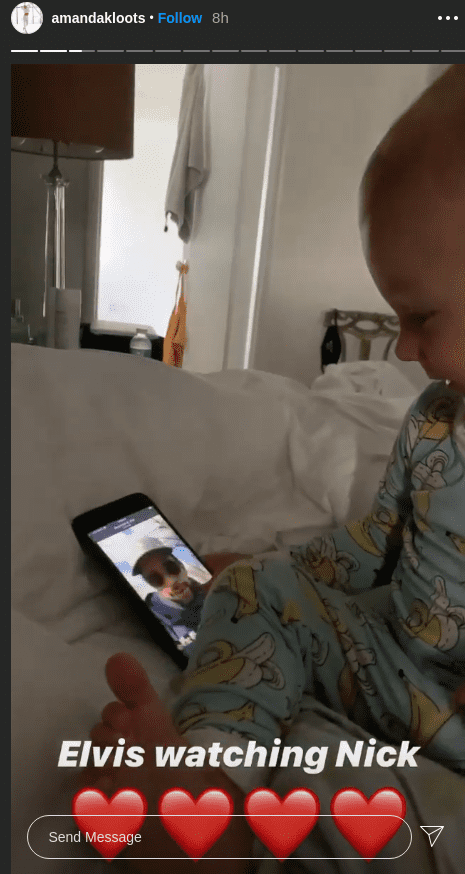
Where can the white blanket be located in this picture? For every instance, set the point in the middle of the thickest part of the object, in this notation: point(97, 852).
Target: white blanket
point(238, 461)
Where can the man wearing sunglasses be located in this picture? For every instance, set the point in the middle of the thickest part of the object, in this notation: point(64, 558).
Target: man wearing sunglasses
point(178, 599)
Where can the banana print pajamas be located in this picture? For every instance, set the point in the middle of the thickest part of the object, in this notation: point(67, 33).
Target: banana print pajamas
point(321, 622)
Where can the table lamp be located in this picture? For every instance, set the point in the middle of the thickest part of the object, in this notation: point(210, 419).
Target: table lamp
point(70, 111)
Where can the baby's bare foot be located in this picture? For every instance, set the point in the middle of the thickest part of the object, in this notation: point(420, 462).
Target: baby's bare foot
point(141, 719)
point(139, 715)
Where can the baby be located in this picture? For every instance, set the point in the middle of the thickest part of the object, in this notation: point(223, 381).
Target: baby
point(310, 622)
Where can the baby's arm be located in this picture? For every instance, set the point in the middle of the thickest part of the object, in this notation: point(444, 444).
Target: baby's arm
point(357, 555)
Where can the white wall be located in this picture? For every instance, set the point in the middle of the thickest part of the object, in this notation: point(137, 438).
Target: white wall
point(211, 249)
point(335, 116)
point(221, 251)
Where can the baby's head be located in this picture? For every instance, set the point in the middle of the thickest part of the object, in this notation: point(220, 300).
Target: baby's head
point(413, 227)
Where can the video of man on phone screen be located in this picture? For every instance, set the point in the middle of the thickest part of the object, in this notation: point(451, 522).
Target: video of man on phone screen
point(161, 569)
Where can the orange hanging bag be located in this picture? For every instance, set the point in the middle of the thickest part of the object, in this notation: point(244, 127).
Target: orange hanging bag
point(176, 337)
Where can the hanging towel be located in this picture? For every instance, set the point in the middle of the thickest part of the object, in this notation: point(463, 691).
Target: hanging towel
point(188, 169)
point(175, 339)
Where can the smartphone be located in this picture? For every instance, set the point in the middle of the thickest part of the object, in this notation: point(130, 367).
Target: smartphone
point(133, 542)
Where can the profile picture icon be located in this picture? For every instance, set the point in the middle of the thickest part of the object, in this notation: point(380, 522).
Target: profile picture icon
point(26, 18)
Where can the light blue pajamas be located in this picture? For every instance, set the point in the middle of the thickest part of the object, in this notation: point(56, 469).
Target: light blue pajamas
point(317, 621)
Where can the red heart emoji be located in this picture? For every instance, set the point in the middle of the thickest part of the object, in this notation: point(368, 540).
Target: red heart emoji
point(368, 824)
point(120, 816)
point(195, 825)
point(281, 824)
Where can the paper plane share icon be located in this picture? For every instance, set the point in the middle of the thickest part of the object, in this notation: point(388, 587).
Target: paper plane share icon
point(433, 832)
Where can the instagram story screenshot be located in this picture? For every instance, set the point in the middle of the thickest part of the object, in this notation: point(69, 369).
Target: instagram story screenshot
point(237, 439)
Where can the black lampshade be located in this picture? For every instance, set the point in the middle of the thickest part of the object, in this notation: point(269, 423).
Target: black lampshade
point(88, 109)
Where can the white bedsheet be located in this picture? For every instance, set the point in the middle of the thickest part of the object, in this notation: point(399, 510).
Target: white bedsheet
point(238, 460)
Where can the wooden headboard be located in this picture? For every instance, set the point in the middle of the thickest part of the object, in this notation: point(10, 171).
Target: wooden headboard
point(354, 323)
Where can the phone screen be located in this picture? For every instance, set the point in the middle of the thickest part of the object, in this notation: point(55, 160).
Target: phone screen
point(160, 568)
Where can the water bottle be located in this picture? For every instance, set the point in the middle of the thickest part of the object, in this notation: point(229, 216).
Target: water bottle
point(141, 344)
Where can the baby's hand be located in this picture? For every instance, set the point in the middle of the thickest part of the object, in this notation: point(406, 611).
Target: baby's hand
point(218, 561)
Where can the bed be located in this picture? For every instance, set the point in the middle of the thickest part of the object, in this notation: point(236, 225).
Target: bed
point(366, 328)
point(240, 461)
